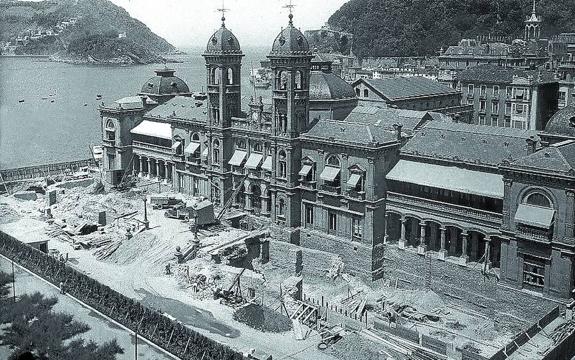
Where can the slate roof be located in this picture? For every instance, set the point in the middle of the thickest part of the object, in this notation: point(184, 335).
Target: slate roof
point(472, 144)
point(328, 86)
point(498, 74)
point(290, 41)
point(351, 133)
point(180, 107)
point(223, 41)
point(562, 123)
point(407, 87)
point(557, 158)
point(492, 49)
point(387, 117)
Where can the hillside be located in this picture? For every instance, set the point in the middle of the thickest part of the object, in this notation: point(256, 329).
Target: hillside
point(422, 27)
point(49, 27)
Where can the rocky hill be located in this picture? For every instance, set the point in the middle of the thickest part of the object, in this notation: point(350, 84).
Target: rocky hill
point(57, 27)
point(422, 27)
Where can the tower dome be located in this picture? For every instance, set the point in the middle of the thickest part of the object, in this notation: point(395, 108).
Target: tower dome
point(223, 41)
point(165, 85)
point(290, 41)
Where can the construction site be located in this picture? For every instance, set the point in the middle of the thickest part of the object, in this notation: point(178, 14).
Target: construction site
point(227, 275)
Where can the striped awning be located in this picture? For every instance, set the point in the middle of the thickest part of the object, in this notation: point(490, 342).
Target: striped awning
point(238, 158)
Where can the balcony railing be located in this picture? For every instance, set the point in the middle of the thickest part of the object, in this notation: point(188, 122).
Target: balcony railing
point(446, 209)
point(308, 184)
point(331, 189)
point(530, 233)
point(152, 147)
point(356, 194)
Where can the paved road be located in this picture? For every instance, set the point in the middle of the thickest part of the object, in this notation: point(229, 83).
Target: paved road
point(101, 329)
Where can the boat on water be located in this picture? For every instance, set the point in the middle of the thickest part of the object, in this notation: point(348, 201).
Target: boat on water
point(200, 95)
point(260, 78)
point(98, 152)
point(21, 100)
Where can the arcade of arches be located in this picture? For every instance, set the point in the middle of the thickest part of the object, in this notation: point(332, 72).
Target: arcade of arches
point(448, 240)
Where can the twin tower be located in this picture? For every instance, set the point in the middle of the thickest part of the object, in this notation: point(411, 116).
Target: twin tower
point(290, 59)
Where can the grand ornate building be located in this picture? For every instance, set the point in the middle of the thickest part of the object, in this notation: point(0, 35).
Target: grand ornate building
point(386, 190)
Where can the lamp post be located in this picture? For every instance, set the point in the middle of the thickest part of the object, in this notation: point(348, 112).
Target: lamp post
point(146, 222)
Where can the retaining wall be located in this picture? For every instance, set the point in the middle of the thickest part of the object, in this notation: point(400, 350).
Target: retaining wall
point(39, 171)
point(170, 335)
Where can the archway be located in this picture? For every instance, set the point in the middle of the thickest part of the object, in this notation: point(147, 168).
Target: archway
point(255, 199)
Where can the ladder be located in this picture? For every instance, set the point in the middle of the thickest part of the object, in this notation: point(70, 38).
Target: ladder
point(231, 199)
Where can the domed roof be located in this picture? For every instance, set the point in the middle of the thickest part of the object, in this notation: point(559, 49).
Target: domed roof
point(223, 42)
point(290, 41)
point(328, 86)
point(562, 123)
point(165, 84)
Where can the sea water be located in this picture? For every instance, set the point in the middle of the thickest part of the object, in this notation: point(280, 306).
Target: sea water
point(49, 111)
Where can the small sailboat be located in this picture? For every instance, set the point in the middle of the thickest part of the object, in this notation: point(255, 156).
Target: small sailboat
point(21, 100)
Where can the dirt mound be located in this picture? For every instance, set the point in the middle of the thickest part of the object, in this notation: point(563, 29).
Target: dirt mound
point(423, 301)
point(263, 318)
point(134, 249)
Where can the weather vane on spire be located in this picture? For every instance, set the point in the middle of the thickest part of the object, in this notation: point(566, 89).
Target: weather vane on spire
point(290, 6)
point(223, 10)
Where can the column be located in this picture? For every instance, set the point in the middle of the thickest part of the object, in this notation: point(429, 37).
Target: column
point(401, 243)
point(422, 248)
point(134, 167)
point(141, 173)
point(149, 168)
point(464, 240)
point(474, 246)
point(165, 173)
point(442, 251)
point(487, 254)
point(385, 222)
point(158, 170)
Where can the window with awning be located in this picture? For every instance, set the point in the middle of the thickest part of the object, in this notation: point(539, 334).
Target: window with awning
point(153, 129)
point(254, 161)
point(330, 173)
point(536, 216)
point(176, 145)
point(192, 148)
point(267, 165)
point(305, 170)
point(238, 158)
point(354, 180)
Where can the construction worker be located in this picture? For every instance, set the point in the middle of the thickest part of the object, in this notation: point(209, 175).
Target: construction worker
point(168, 269)
point(62, 290)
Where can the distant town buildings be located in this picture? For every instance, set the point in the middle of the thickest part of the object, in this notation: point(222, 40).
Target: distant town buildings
point(412, 93)
point(508, 97)
point(35, 34)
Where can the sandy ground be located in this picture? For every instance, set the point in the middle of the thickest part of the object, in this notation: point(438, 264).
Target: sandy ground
point(137, 269)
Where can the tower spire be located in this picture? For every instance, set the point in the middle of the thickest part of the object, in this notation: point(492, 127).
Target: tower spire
point(223, 10)
point(534, 7)
point(290, 6)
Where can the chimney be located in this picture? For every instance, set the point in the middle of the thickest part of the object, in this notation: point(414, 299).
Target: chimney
point(531, 145)
point(398, 128)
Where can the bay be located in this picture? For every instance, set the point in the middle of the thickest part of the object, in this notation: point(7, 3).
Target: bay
point(58, 118)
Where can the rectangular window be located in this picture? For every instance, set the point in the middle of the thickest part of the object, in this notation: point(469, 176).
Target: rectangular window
point(481, 119)
point(111, 161)
point(483, 89)
point(508, 108)
point(533, 271)
point(509, 91)
point(495, 108)
point(562, 96)
point(470, 101)
point(470, 89)
point(494, 120)
point(357, 229)
point(482, 105)
point(495, 91)
point(332, 222)
point(309, 215)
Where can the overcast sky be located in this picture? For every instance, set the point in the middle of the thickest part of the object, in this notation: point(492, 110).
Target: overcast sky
point(186, 23)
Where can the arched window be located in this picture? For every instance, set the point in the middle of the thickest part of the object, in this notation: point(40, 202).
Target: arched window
point(230, 76)
point(258, 148)
point(216, 75)
point(357, 92)
point(241, 144)
point(282, 80)
point(282, 208)
point(282, 164)
point(196, 137)
point(538, 199)
point(110, 130)
point(365, 93)
point(333, 160)
point(216, 151)
point(298, 80)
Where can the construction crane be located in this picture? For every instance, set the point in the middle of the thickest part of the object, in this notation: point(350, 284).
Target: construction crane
point(230, 201)
point(233, 295)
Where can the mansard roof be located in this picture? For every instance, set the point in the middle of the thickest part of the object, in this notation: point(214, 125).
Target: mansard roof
point(180, 107)
point(406, 87)
point(472, 144)
point(555, 159)
point(343, 132)
point(498, 74)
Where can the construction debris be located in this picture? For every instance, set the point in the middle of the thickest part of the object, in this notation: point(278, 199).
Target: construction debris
point(263, 318)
